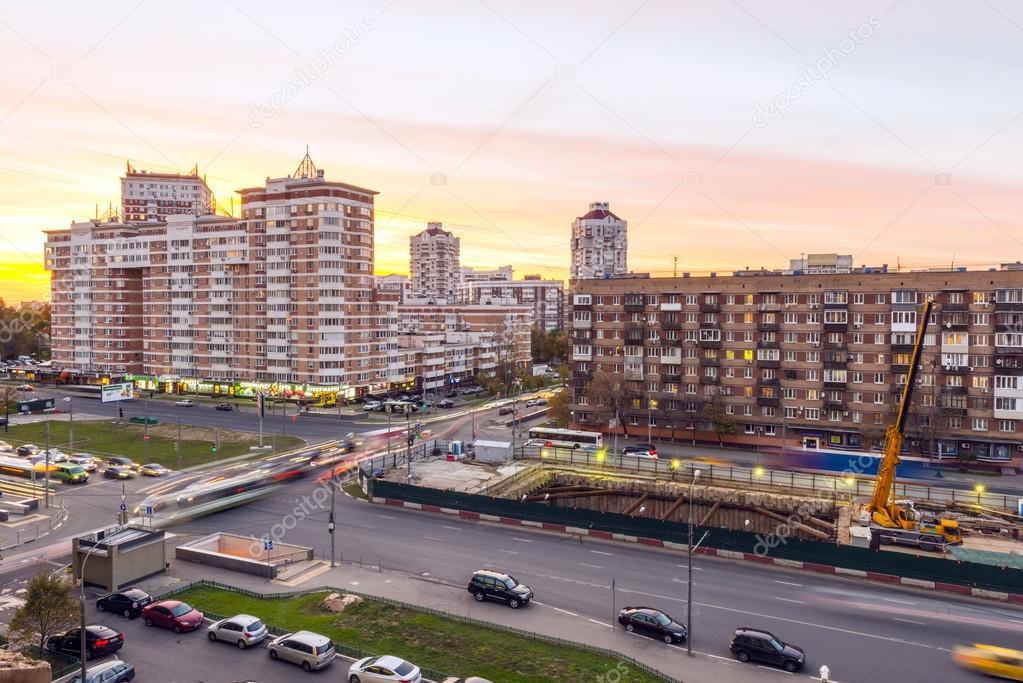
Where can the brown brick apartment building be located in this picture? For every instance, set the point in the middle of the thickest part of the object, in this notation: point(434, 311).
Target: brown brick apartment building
point(821, 359)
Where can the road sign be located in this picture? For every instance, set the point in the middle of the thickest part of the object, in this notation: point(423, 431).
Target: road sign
point(149, 510)
point(268, 544)
point(145, 437)
point(124, 508)
point(1020, 503)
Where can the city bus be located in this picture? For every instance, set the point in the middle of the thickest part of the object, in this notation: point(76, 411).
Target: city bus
point(549, 437)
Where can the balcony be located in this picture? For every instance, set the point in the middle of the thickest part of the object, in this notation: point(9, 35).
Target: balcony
point(707, 344)
point(768, 307)
point(634, 336)
point(834, 384)
point(834, 405)
point(713, 362)
point(633, 376)
point(836, 327)
point(710, 380)
point(585, 324)
point(633, 306)
point(767, 327)
point(671, 379)
point(952, 369)
point(671, 325)
point(835, 345)
point(768, 401)
point(673, 343)
point(837, 365)
point(763, 344)
point(953, 391)
point(710, 308)
point(768, 381)
point(771, 364)
point(956, 308)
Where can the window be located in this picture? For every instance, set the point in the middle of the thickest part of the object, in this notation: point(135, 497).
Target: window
point(878, 378)
point(858, 298)
point(1007, 425)
point(903, 296)
point(879, 398)
point(979, 424)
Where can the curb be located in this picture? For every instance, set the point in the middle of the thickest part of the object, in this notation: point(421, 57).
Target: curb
point(891, 579)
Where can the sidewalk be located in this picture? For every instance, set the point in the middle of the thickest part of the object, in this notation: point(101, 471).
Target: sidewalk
point(451, 599)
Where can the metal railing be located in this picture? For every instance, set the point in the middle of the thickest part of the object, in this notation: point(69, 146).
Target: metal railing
point(427, 673)
point(843, 486)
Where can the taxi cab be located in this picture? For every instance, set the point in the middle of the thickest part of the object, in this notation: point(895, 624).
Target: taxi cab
point(1000, 662)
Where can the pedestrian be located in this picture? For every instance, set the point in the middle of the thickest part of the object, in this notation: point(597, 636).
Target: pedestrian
point(120, 413)
point(825, 673)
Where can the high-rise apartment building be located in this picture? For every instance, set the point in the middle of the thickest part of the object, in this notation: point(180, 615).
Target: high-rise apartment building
point(600, 244)
point(545, 297)
point(283, 295)
point(435, 265)
point(395, 283)
point(509, 325)
point(147, 196)
point(819, 360)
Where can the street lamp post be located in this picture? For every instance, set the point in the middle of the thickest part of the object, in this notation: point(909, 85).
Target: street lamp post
point(145, 432)
point(81, 609)
point(330, 522)
point(70, 425)
point(689, 585)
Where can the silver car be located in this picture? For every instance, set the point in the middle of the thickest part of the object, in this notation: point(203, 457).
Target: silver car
point(385, 669)
point(243, 630)
point(304, 648)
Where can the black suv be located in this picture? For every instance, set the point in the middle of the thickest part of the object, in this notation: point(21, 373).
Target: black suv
point(128, 603)
point(648, 621)
point(762, 646)
point(99, 641)
point(487, 584)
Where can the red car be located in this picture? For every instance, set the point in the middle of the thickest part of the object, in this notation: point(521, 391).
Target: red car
point(172, 614)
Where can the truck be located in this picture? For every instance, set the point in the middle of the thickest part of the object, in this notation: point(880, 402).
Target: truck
point(893, 521)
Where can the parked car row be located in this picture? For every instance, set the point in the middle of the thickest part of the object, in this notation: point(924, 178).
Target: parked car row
point(76, 468)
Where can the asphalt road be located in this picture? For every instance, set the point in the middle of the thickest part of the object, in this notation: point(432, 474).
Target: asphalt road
point(863, 632)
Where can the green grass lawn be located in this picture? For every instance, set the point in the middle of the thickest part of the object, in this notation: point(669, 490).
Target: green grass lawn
point(427, 640)
point(354, 488)
point(103, 437)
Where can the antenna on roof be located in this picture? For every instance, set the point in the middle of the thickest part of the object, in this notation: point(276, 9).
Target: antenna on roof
point(306, 168)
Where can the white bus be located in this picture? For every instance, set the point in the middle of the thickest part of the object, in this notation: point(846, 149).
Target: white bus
point(549, 437)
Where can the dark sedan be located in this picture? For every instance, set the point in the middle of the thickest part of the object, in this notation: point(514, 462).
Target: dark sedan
point(225, 407)
point(653, 623)
point(751, 644)
point(100, 641)
point(127, 603)
point(119, 472)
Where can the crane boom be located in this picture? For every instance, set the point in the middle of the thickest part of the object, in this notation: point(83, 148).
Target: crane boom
point(882, 505)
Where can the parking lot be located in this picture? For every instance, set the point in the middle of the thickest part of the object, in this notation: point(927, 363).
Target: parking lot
point(160, 655)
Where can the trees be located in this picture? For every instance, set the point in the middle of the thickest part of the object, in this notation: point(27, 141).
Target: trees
point(558, 409)
point(49, 609)
point(548, 347)
point(713, 412)
point(23, 329)
point(609, 394)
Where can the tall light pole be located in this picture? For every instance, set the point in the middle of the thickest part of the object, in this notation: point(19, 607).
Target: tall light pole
point(689, 584)
point(70, 425)
point(46, 472)
point(145, 431)
point(330, 521)
point(651, 404)
point(81, 609)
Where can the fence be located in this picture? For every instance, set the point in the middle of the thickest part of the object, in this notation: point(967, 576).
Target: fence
point(779, 545)
point(840, 487)
point(400, 457)
point(358, 653)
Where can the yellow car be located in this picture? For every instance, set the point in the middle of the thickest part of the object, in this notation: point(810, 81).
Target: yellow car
point(1000, 662)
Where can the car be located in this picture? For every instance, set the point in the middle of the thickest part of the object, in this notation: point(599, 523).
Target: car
point(451, 394)
point(373, 406)
point(641, 450)
point(25, 388)
point(56, 455)
point(83, 460)
point(304, 648)
point(536, 402)
point(128, 603)
point(505, 410)
point(241, 630)
point(648, 621)
point(100, 641)
point(445, 403)
point(113, 671)
point(997, 662)
point(751, 644)
point(27, 449)
point(184, 403)
point(383, 669)
point(487, 584)
point(121, 460)
point(4, 446)
point(153, 469)
point(71, 474)
point(118, 472)
point(173, 614)
point(226, 407)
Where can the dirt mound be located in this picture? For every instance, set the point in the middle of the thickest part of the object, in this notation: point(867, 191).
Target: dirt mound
point(335, 602)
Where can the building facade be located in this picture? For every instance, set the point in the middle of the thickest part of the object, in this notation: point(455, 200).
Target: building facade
point(509, 325)
point(818, 361)
point(546, 297)
point(499, 274)
point(435, 360)
point(396, 284)
point(435, 265)
point(148, 196)
point(600, 244)
point(283, 296)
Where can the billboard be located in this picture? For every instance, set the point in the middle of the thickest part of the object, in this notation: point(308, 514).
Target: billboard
point(117, 392)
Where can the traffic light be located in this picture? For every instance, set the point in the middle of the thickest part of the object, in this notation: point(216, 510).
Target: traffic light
point(214, 449)
point(411, 440)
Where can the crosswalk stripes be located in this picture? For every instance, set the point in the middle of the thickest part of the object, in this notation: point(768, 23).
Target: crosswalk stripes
point(24, 489)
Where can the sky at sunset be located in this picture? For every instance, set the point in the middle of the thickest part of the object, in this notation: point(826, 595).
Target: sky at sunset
point(729, 134)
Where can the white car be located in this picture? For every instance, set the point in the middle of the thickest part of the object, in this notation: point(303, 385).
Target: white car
point(83, 460)
point(243, 630)
point(184, 403)
point(373, 405)
point(385, 669)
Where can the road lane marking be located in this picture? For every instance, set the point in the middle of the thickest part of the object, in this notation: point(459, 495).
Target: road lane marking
point(591, 566)
point(455, 528)
point(679, 580)
point(509, 552)
point(563, 611)
point(600, 623)
point(650, 595)
point(385, 516)
point(899, 602)
point(601, 552)
point(524, 540)
point(686, 566)
point(433, 538)
point(789, 583)
point(1016, 621)
point(771, 668)
point(798, 602)
point(875, 636)
point(909, 621)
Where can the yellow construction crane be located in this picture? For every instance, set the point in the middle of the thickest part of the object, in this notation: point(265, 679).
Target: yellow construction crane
point(899, 524)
